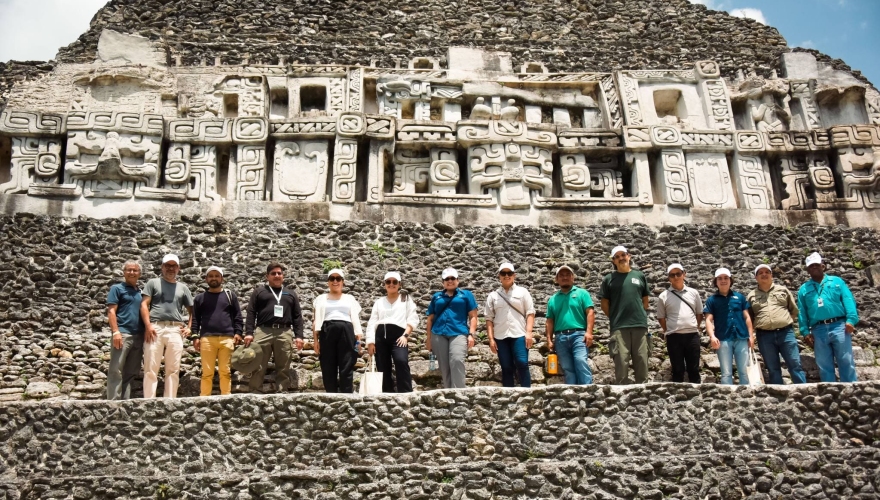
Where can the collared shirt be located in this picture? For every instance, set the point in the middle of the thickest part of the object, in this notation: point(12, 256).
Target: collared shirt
point(774, 308)
point(507, 322)
point(400, 313)
point(836, 301)
point(727, 315)
point(261, 310)
point(680, 308)
point(127, 299)
point(451, 313)
point(568, 310)
point(167, 300)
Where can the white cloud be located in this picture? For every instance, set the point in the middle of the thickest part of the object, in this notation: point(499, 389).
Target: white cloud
point(807, 44)
point(36, 29)
point(750, 13)
point(710, 4)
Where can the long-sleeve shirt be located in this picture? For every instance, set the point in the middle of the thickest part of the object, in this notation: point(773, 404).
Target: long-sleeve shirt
point(399, 313)
point(215, 314)
point(507, 321)
point(354, 309)
point(826, 300)
point(261, 310)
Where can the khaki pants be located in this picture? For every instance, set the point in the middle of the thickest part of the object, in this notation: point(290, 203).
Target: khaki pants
point(168, 346)
point(216, 348)
point(280, 342)
point(626, 344)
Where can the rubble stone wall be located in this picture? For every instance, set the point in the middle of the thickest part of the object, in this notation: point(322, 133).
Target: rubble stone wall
point(55, 273)
point(650, 441)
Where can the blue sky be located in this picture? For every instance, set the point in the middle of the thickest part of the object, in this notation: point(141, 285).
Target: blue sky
point(845, 29)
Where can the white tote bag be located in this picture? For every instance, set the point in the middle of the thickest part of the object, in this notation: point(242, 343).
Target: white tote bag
point(371, 380)
point(755, 374)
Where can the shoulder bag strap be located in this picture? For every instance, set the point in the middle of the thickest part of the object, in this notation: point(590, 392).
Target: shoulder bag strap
point(694, 309)
point(511, 305)
point(446, 305)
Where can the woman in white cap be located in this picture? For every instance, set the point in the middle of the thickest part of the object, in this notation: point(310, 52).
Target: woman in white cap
point(392, 320)
point(336, 330)
point(729, 327)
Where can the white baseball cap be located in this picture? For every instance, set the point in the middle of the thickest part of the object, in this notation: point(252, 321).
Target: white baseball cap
point(506, 265)
point(392, 274)
point(763, 266)
point(336, 271)
point(673, 267)
point(723, 271)
point(170, 257)
point(449, 272)
point(558, 270)
point(214, 268)
point(618, 248)
point(813, 258)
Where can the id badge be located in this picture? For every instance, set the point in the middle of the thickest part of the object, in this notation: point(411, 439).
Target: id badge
point(279, 311)
point(820, 302)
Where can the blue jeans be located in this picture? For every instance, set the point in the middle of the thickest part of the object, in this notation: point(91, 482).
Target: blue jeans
point(833, 344)
point(514, 358)
point(572, 352)
point(730, 349)
point(772, 344)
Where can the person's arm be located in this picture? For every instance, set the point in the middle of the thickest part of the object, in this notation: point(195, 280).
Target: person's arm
point(646, 303)
point(700, 318)
point(792, 306)
point(296, 321)
point(355, 316)
point(114, 325)
point(472, 327)
point(530, 326)
point(237, 320)
point(196, 317)
point(370, 339)
point(591, 322)
point(662, 322)
point(849, 305)
point(187, 328)
point(660, 313)
point(489, 314)
point(250, 324)
point(318, 308)
point(749, 326)
point(428, 333)
point(548, 329)
point(149, 330)
point(605, 305)
point(710, 329)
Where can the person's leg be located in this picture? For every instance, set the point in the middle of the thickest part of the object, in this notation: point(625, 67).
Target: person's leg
point(620, 353)
point(505, 359)
point(347, 358)
point(224, 364)
point(521, 359)
point(114, 372)
point(173, 355)
point(725, 360)
point(401, 368)
point(841, 343)
point(383, 357)
point(675, 347)
point(580, 355)
point(566, 359)
point(788, 348)
point(440, 346)
point(329, 357)
point(153, 352)
point(741, 355)
point(132, 366)
point(282, 345)
point(457, 357)
point(209, 347)
point(824, 353)
point(264, 340)
point(769, 349)
point(691, 349)
point(638, 338)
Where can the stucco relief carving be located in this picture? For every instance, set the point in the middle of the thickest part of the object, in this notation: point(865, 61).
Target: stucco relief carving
point(709, 180)
point(766, 102)
point(300, 171)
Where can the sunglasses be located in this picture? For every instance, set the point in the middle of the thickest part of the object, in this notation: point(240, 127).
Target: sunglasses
point(335, 278)
point(676, 275)
point(506, 273)
point(450, 278)
point(392, 282)
point(276, 274)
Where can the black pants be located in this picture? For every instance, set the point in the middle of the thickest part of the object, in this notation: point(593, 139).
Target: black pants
point(388, 350)
point(337, 356)
point(684, 354)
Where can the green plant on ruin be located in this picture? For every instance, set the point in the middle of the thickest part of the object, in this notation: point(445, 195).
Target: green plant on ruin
point(328, 264)
point(765, 260)
point(446, 480)
point(378, 248)
point(163, 491)
point(858, 264)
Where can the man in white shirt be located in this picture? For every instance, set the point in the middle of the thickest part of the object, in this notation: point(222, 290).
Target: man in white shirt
point(679, 312)
point(510, 317)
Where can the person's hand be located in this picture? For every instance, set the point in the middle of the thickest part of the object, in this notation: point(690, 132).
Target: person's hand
point(549, 345)
point(428, 342)
point(150, 334)
point(715, 343)
point(809, 340)
point(751, 341)
point(850, 329)
point(298, 342)
point(493, 346)
point(117, 340)
point(530, 340)
point(197, 345)
point(371, 349)
point(317, 348)
point(588, 339)
point(236, 340)
point(248, 339)
point(184, 331)
point(402, 341)
point(471, 342)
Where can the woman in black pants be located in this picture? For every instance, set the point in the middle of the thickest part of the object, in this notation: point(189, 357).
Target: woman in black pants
point(391, 322)
point(336, 329)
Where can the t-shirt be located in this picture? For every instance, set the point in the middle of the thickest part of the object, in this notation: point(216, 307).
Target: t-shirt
point(678, 307)
point(337, 310)
point(568, 310)
point(774, 308)
point(727, 311)
point(128, 308)
point(624, 292)
point(451, 313)
point(167, 300)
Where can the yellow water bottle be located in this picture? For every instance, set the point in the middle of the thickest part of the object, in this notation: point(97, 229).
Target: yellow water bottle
point(552, 364)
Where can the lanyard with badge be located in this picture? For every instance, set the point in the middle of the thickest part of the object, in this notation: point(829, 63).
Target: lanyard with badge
point(819, 301)
point(279, 309)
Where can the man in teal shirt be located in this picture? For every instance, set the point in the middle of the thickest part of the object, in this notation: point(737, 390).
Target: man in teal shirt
point(570, 319)
point(828, 318)
point(624, 299)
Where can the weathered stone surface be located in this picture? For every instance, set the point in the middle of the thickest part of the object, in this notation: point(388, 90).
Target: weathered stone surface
point(41, 390)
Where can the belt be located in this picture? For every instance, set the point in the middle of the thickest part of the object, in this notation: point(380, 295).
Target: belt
point(168, 323)
point(775, 330)
point(572, 330)
point(832, 320)
point(276, 326)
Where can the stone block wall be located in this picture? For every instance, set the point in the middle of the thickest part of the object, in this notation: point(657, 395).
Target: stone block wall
point(650, 441)
point(55, 273)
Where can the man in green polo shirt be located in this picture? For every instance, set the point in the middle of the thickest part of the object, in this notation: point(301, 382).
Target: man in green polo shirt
point(570, 319)
point(624, 299)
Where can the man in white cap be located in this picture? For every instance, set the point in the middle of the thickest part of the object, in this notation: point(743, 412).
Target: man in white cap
point(624, 299)
point(828, 316)
point(774, 311)
point(217, 326)
point(569, 327)
point(680, 313)
point(162, 306)
point(510, 318)
point(729, 327)
point(452, 323)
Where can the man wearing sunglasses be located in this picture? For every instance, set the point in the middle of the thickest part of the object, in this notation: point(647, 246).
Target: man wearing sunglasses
point(680, 313)
point(510, 317)
point(452, 323)
point(272, 314)
point(624, 299)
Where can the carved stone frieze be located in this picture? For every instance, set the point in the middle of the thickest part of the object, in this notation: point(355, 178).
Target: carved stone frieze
point(300, 171)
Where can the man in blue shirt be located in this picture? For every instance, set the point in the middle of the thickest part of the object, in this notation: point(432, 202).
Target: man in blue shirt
point(828, 316)
point(452, 322)
point(729, 327)
point(127, 348)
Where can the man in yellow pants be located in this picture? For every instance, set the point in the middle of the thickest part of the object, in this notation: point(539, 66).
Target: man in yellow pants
point(217, 326)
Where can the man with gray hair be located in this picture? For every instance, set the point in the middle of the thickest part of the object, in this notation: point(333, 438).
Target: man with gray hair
point(126, 350)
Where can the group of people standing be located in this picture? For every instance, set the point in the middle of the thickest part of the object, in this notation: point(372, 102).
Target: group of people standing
point(150, 325)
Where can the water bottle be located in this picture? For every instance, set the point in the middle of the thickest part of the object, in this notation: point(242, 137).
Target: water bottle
point(357, 346)
point(432, 362)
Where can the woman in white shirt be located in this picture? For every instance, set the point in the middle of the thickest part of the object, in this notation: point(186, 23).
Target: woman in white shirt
point(336, 329)
point(391, 322)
